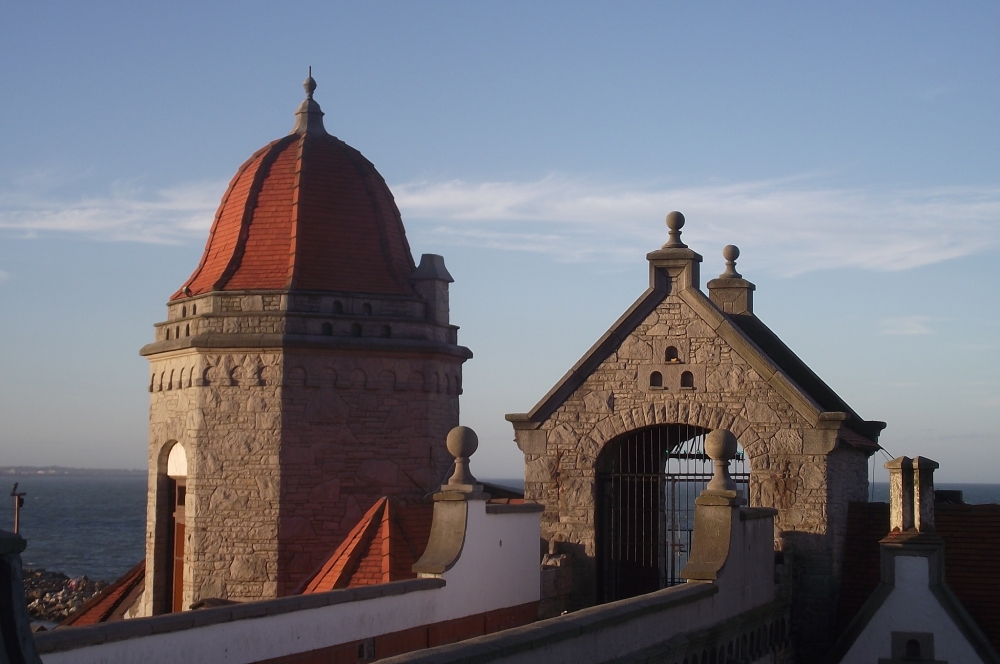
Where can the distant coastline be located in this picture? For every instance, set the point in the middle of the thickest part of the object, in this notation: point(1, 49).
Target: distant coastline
point(77, 472)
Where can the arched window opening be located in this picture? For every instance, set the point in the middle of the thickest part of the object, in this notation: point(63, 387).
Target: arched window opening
point(656, 379)
point(356, 330)
point(326, 330)
point(177, 481)
point(386, 332)
point(671, 354)
point(913, 650)
point(366, 309)
point(687, 380)
point(184, 312)
point(338, 307)
point(177, 332)
point(187, 330)
point(194, 309)
point(647, 482)
point(168, 334)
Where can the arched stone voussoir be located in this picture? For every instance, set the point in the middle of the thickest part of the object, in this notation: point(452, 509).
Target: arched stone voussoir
point(612, 426)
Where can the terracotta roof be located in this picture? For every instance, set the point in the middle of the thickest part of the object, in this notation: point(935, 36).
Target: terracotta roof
point(112, 602)
point(972, 567)
point(306, 212)
point(381, 548)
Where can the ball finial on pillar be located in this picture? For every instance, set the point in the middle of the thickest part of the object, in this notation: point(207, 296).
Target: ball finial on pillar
point(675, 222)
point(462, 443)
point(721, 447)
point(730, 252)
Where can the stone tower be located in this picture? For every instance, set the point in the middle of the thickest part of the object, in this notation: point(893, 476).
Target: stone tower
point(306, 368)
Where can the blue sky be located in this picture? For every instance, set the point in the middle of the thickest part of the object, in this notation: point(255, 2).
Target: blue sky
point(851, 150)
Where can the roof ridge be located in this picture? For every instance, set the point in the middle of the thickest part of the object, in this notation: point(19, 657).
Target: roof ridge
point(351, 547)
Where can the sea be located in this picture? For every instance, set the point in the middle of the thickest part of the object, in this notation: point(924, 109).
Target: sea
point(94, 525)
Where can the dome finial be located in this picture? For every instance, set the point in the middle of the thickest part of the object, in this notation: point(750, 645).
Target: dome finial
point(309, 84)
point(309, 117)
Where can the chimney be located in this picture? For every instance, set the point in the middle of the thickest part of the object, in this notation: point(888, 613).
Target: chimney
point(731, 292)
point(911, 494)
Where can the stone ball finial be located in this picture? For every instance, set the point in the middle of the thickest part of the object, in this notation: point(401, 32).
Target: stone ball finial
point(721, 447)
point(309, 84)
point(730, 252)
point(462, 443)
point(675, 222)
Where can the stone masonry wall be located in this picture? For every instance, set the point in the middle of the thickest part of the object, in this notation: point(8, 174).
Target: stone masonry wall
point(285, 453)
point(356, 428)
point(810, 491)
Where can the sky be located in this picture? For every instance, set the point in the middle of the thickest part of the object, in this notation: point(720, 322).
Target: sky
point(851, 151)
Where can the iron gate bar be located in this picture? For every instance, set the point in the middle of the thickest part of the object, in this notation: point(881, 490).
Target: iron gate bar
point(647, 483)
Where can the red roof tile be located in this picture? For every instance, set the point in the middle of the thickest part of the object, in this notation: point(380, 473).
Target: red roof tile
point(972, 565)
point(381, 548)
point(306, 212)
point(112, 602)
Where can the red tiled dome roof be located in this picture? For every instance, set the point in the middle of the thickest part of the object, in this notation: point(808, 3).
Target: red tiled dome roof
point(306, 212)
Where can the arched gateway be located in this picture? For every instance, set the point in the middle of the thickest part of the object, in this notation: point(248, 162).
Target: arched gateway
point(647, 481)
point(612, 450)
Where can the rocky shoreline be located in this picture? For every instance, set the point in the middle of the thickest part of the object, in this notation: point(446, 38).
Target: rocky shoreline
point(52, 596)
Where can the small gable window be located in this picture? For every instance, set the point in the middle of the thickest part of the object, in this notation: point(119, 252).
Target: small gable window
point(671, 354)
point(687, 380)
point(326, 330)
point(913, 650)
point(366, 309)
point(338, 307)
point(656, 379)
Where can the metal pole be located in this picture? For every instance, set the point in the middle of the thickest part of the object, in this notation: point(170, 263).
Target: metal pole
point(18, 503)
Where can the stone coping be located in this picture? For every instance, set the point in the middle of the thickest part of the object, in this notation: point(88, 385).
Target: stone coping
point(222, 340)
point(549, 632)
point(70, 638)
point(751, 513)
point(516, 508)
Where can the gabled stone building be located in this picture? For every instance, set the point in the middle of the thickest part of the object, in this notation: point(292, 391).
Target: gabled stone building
point(609, 448)
point(305, 369)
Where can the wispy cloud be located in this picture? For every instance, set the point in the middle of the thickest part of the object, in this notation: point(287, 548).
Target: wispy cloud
point(906, 325)
point(790, 227)
point(783, 226)
point(127, 213)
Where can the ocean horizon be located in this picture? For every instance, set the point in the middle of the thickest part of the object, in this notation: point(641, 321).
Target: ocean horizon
point(94, 524)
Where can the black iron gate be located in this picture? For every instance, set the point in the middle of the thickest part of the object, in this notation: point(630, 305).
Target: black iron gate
point(647, 482)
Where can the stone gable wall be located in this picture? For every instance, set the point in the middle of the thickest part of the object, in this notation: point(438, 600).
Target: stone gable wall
point(810, 491)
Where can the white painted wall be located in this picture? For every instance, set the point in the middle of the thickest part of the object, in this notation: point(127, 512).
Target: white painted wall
point(500, 561)
point(911, 607)
point(487, 576)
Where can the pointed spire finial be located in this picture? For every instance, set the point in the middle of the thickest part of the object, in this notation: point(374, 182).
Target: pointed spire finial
point(309, 84)
point(309, 117)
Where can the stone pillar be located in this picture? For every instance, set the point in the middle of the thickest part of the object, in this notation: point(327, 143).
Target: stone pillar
point(923, 494)
point(731, 292)
point(900, 493)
